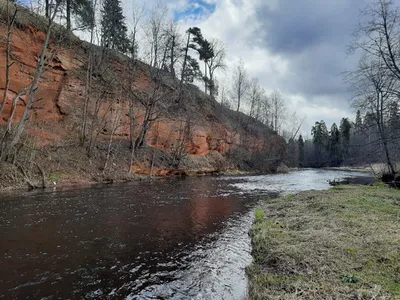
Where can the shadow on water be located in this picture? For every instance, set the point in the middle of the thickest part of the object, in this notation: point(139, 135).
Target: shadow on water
point(172, 238)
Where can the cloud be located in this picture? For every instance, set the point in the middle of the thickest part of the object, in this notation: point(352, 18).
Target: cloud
point(296, 47)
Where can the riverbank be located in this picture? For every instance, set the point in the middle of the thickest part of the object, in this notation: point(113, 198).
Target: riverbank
point(70, 166)
point(335, 244)
point(378, 169)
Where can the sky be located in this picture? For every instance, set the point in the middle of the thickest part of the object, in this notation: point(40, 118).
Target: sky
point(297, 47)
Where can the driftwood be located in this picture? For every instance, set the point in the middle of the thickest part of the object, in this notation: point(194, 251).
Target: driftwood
point(31, 183)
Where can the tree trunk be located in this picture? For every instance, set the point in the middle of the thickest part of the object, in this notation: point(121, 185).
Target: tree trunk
point(184, 68)
point(381, 124)
point(68, 15)
point(110, 142)
point(88, 84)
point(205, 77)
point(47, 8)
point(172, 67)
point(239, 92)
point(10, 24)
point(13, 138)
point(211, 86)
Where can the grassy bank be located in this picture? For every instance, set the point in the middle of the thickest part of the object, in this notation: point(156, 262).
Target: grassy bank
point(338, 244)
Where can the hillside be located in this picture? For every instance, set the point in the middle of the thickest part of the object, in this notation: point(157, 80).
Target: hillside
point(209, 137)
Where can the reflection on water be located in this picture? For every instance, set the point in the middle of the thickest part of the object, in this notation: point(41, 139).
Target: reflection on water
point(163, 239)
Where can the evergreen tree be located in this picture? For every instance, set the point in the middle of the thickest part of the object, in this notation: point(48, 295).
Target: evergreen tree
point(192, 70)
point(293, 154)
point(321, 141)
point(334, 146)
point(205, 51)
point(369, 122)
point(83, 12)
point(300, 143)
point(113, 28)
point(345, 127)
point(320, 135)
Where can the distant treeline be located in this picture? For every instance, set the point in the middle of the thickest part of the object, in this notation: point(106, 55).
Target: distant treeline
point(351, 143)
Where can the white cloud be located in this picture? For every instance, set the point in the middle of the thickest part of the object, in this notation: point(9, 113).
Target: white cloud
point(305, 71)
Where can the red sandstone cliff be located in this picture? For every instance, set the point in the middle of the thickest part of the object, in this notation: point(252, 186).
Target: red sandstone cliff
point(218, 138)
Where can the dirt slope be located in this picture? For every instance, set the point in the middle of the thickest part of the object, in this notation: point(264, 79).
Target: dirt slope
point(218, 137)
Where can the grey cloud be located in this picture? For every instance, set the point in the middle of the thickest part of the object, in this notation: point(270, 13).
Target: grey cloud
point(312, 36)
point(297, 25)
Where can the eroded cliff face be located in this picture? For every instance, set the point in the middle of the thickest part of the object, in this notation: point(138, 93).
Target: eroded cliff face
point(58, 108)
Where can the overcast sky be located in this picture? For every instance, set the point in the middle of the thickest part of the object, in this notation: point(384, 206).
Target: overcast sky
point(297, 47)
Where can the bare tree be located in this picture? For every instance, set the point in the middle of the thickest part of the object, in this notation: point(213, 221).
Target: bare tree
point(293, 127)
point(10, 19)
point(215, 62)
point(13, 133)
point(278, 110)
point(377, 77)
point(240, 83)
point(137, 15)
point(374, 82)
point(178, 149)
point(264, 110)
point(114, 127)
point(107, 93)
point(155, 30)
point(174, 44)
point(223, 95)
point(155, 100)
point(89, 74)
point(378, 34)
point(255, 96)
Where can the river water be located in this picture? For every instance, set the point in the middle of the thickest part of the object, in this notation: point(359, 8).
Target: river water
point(163, 239)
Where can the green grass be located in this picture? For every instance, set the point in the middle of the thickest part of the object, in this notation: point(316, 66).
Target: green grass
point(259, 215)
point(338, 244)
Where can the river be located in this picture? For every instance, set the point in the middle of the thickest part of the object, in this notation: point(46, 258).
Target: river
point(163, 239)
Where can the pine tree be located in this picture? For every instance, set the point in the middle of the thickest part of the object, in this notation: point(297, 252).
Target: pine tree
point(81, 11)
point(113, 28)
point(320, 135)
point(206, 52)
point(345, 127)
point(292, 154)
point(300, 144)
point(321, 141)
point(192, 70)
point(334, 146)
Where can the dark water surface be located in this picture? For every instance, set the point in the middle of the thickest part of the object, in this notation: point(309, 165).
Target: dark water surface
point(165, 239)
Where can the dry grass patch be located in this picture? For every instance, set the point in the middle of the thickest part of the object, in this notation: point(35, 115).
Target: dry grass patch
point(338, 244)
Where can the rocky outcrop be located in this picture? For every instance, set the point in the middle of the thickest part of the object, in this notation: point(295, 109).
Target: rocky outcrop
point(214, 132)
